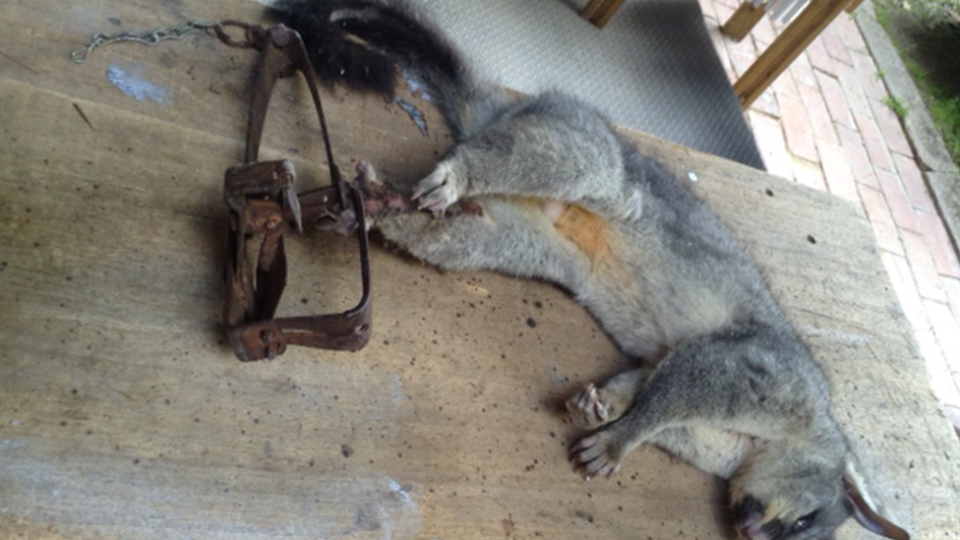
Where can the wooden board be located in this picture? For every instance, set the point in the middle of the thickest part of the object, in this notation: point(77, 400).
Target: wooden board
point(123, 414)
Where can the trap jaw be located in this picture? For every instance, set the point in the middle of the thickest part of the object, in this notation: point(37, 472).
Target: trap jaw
point(263, 203)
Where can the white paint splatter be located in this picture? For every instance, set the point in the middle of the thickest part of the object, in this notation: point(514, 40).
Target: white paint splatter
point(559, 381)
point(159, 498)
point(394, 512)
point(415, 114)
point(417, 88)
point(398, 489)
point(396, 388)
point(131, 83)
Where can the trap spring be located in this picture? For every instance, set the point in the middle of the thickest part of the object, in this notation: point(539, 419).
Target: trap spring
point(262, 203)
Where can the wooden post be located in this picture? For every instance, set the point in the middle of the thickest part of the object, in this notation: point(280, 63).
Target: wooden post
point(785, 49)
point(591, 9)
point(608, 13)
point(599, 12)
point(743, 20)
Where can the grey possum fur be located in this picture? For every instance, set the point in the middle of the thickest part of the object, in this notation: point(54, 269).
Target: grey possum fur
point(725, 382)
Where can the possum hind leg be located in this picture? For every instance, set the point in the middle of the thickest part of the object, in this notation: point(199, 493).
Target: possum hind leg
point(710, 449)
point(722, 381)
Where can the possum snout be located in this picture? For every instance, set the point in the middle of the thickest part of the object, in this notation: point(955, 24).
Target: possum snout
point(747, 518)
point(747, 511)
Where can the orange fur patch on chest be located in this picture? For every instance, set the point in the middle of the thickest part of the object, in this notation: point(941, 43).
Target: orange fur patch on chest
point(587, 231)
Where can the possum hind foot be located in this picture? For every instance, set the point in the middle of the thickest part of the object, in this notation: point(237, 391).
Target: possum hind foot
point(588, 407)
point(596, 405)
point(599, 454)
point(599, 406)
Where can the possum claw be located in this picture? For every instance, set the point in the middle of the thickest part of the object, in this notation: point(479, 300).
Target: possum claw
point(438, 190)
point(598, 454)
point(588, 407)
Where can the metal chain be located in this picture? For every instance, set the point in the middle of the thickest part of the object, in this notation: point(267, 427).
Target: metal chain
point(149, 39)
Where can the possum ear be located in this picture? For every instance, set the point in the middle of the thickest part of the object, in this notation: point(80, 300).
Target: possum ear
point(864, 511)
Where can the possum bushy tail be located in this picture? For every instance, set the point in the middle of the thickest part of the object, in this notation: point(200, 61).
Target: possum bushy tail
point(368, 44)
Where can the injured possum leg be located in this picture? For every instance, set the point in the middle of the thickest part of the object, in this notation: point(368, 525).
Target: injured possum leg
point(380, 200)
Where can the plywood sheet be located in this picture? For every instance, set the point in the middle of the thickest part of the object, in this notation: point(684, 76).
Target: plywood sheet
point(123, 414)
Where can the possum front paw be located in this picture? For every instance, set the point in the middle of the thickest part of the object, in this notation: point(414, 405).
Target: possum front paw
point(589, 407)
point(439, 190)
point(379, 199)
point(598, 454)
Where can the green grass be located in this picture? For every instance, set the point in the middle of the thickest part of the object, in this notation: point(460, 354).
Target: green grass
point(896, 106)
point(946, 114)
point(927, 36)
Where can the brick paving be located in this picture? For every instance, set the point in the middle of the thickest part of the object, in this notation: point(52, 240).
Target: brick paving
point(824, 124)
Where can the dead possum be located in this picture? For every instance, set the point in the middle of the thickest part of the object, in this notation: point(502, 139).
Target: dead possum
point(547, 189)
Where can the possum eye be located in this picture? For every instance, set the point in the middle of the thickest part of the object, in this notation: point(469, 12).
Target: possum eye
point(804, 522)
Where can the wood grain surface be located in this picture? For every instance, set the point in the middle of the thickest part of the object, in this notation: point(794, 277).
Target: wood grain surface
point(123, 413)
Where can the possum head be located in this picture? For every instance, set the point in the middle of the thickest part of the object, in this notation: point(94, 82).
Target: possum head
point(799, 494)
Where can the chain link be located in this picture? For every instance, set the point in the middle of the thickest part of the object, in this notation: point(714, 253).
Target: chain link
point(149, 39)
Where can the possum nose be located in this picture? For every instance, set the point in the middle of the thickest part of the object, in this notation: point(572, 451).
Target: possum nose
point(747, 513)
point(748, 519)
point(753, 531)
